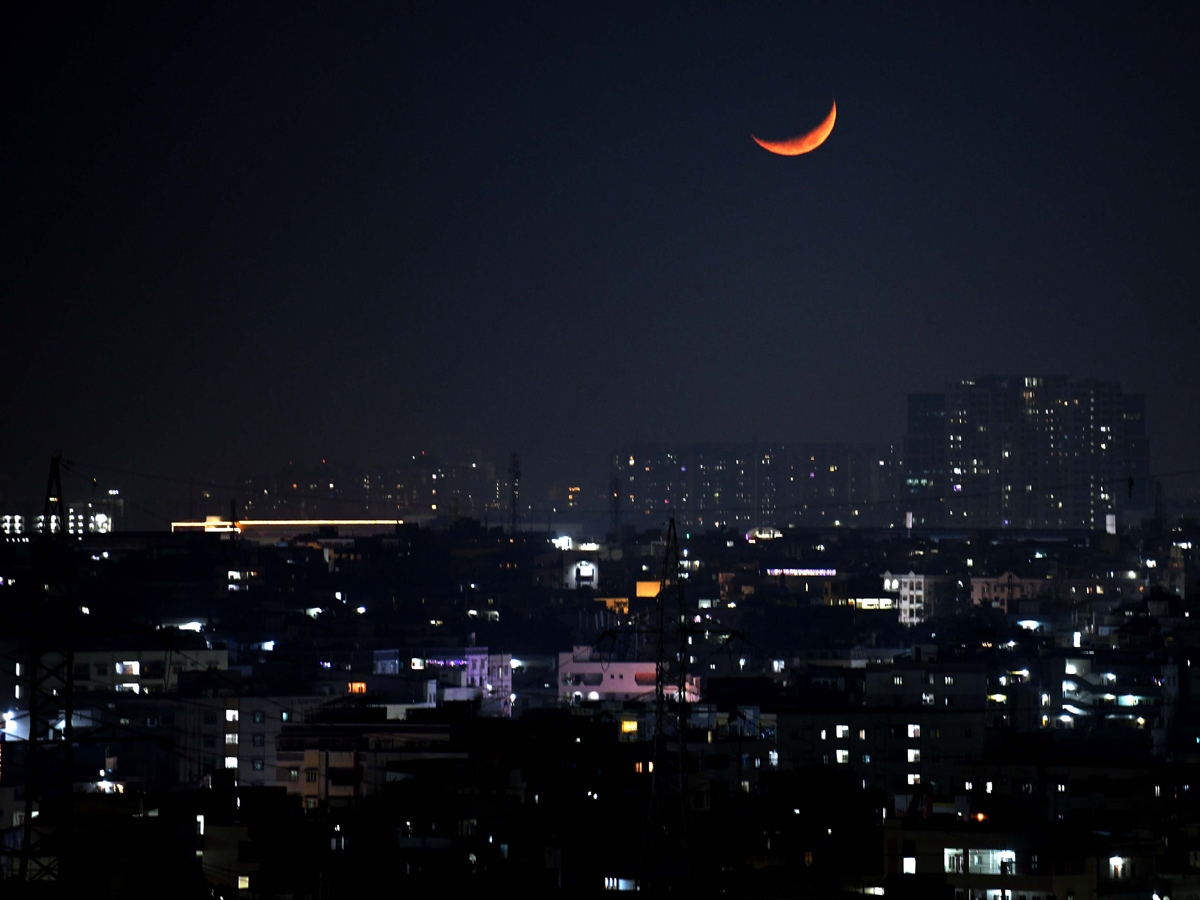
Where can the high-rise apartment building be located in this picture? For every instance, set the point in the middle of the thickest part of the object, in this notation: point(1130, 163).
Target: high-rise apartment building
point(760, 485)
point(1026, 452)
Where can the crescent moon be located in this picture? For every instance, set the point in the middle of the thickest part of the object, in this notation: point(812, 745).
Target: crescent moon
point(804, 142)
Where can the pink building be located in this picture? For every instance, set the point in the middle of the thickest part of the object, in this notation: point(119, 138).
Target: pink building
point(1002, 591)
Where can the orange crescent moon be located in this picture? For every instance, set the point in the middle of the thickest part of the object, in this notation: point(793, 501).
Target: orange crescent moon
point(803, 143)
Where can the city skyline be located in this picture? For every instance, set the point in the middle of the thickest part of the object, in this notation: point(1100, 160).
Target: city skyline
point(988, 452)
point(237, 238)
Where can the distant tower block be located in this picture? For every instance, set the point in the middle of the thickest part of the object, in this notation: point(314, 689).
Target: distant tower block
point(514, 481)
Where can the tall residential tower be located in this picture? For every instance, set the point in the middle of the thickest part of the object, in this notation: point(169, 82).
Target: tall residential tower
point(1026, 452)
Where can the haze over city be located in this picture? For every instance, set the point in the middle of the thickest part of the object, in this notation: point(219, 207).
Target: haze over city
point(237, 237)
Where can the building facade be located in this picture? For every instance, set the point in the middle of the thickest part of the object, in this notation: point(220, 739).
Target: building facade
point(1026, 452)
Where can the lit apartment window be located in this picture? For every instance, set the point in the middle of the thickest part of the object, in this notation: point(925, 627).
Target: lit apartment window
point(285, 716)
point(231, 762)
point(927, 699)
point(1062, 788)
point(231, 738)
point(914, 756)
point(843, 756)
point(231, 715)
point(898, 680)
point(914, 731)
point(130, 667)
point(293, 775)
point(843, 731)
point(987, 786)
point(949, 680)
point(357, 687)
point(910, 865)
point(862, 734)
point(914, 778)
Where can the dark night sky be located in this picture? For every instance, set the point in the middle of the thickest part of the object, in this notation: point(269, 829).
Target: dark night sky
point(237, 235)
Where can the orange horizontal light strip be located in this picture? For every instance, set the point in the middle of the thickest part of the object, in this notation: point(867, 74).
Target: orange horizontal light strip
point(222, 525)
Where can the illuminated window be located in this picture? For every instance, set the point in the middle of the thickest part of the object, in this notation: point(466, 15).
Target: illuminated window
point(231, 762)
point(914, 756)
point(914, 778)
point(628, 727)
point(285, 716)
point(231, 715)
point(243, 882)
point(910, 865)
point(843, 756)
point(231, 738)
point(131, 667)
point(357, 687)
point(949, 680)
point(914, 731)
point(927, 699)
point(898, 680)
point(293, 775)
point(843, 731)
point(862, 734)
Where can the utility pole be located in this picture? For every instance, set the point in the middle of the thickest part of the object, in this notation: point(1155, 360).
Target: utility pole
point(50, 687)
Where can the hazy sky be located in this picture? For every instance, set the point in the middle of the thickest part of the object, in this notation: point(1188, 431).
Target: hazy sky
point(236, 235)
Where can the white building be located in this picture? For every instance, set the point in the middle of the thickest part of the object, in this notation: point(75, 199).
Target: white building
point(909, 591)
